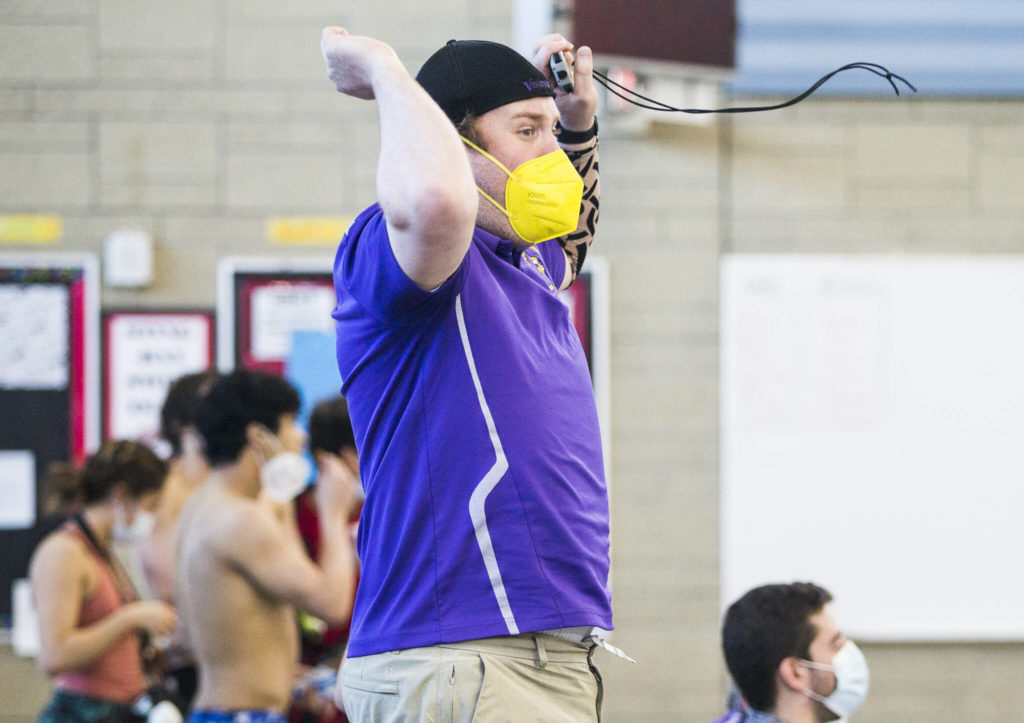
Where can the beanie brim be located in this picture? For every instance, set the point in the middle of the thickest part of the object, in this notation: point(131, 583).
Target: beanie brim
point(472, 77)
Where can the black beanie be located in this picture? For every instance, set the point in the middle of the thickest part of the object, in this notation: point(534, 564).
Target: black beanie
point(471, 77)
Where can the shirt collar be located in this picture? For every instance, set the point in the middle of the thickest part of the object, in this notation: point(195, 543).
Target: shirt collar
point(502, 248)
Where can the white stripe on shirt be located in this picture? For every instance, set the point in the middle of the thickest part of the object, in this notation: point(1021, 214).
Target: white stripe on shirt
point(477, 513)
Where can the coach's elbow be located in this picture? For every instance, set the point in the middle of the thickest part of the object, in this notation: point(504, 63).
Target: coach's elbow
point(438, 206)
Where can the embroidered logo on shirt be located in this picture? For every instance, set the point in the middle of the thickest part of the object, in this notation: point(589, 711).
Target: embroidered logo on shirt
point(536, 263)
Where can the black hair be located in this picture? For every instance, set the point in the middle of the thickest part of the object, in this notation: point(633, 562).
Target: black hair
point(235, 401)
point(764, 627)
point(330, 429)
point(179, 409)
point(117, 462)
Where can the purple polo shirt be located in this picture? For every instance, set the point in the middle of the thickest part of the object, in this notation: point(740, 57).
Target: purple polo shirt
point(486, 509)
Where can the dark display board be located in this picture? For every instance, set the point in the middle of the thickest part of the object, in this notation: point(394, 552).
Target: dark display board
point(48, 389)
point(688, 32)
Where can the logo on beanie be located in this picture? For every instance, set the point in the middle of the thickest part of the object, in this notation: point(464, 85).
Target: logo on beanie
point(532, 85)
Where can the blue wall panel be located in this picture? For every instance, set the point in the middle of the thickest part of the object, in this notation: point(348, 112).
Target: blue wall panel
point(945, 47)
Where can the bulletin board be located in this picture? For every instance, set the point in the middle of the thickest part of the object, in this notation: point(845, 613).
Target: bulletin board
point(49, 389)
point(589, 310)
point(263, 302)
point(143, 353)
point(872, 412)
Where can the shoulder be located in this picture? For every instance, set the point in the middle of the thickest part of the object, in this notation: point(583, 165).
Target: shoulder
point(371, 283)
point(734, 716)
point(208, 515)
point(60, 543)
point(364, 255)
point(370, 220)
point(367, 226)
point(60, 553)
point(239, 526)
point(173, 496)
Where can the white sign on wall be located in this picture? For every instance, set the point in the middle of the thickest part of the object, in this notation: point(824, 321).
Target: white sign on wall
point(279, 310)
point(145, 353)
point(33, 336)
point(17, 489)
point(872, 421)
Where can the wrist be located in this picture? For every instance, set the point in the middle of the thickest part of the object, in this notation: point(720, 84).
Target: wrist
point(568, 136)
point(333, 518)
point(131, 620)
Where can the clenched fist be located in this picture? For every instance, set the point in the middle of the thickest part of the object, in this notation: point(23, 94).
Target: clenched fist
point(353, 61)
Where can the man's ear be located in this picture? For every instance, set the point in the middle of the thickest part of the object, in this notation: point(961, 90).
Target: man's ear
point(254, 434)
point(261, 440)
point(793, 674)
point(191, 441)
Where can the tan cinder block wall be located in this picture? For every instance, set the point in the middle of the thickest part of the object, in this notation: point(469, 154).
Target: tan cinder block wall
point(197, 120)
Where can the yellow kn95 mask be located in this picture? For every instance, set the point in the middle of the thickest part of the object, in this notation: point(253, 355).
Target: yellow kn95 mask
point(542, 196)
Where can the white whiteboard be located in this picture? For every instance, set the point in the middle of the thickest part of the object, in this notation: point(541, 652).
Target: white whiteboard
point(872, 418)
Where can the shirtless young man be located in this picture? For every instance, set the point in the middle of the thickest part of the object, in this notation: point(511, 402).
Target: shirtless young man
point(241, 570)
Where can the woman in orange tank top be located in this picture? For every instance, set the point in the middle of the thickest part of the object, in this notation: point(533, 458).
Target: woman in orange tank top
point(90, 620)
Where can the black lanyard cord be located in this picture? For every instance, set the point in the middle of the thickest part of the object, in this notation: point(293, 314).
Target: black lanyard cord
point(651, 104)
point(122, 580)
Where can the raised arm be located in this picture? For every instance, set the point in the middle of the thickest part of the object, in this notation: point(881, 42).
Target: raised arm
point(271, 555)
point(579, 141)
point(577, 243)
point(424, 183)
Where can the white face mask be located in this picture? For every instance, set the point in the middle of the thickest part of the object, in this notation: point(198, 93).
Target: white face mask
point(140, 528)
point(284, 476)
point(852, 679)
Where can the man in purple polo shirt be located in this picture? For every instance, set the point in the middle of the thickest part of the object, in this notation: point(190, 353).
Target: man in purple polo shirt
point(484, 535)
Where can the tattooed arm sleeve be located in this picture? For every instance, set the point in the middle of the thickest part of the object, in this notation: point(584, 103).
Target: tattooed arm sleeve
point(575, 244)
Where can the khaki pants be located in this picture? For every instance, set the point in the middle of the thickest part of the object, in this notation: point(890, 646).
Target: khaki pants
point(517, 678)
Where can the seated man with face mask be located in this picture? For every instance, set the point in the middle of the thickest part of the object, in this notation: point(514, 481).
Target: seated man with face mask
point(242, 570)
point(789, 659)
